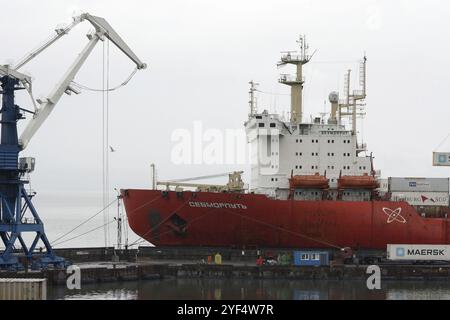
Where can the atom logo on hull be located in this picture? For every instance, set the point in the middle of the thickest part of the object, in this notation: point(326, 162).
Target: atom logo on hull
point(394, 215)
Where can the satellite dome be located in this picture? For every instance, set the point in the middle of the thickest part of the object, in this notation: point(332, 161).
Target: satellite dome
point(334, 97)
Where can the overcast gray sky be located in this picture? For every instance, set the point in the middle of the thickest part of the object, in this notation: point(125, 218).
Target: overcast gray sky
point(201, 55)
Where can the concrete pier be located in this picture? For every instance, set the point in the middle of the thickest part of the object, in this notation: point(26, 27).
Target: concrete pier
point(109, 265)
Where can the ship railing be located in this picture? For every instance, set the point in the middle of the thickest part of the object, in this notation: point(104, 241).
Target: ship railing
point(289, 57)
point(289, 78)
point(361, 147)
point(358, 94)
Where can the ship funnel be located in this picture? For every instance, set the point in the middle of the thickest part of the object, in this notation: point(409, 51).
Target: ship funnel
point(334, 100)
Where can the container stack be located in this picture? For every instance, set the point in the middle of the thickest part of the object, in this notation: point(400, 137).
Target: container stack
point(431, 192)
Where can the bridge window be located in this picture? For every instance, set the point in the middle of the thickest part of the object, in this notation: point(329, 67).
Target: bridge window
point(273, 125)
point(261, 125)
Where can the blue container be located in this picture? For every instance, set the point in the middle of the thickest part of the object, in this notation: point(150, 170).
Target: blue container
point(311, 258)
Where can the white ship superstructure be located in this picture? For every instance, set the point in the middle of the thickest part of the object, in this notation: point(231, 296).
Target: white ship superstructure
point(282, 149)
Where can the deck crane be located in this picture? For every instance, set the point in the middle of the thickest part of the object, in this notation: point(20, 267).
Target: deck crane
point(235, 183)
point(15, 202)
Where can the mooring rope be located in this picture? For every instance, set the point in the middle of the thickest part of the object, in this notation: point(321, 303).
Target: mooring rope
point(84, 222)
point(245, 217)
point(187, 227)
point(83, 234)
point(164, 221)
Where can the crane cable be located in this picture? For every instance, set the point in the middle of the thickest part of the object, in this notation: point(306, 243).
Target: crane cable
point(124, 83)
point(443, 141)
point(105, 140)
point(84, 222)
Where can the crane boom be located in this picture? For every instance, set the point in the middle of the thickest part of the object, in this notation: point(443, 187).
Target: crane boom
point(99, 24)
point(204, 177)
point(46, 106)
point(59, 33)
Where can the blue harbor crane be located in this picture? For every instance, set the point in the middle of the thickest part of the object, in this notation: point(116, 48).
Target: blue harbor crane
point(18, 216)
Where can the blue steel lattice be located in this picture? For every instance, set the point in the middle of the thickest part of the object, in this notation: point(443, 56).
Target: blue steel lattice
point(15, 203)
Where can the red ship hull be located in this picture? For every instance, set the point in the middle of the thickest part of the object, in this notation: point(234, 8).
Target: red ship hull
point(245, 220)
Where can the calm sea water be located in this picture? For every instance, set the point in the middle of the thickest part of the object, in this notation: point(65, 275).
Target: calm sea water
point(237, 289)
point(61, 212)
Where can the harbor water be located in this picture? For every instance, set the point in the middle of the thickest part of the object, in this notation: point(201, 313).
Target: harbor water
point(241, 289)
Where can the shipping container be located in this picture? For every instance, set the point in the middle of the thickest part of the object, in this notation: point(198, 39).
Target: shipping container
point(434, 199)
point(418, 252)
point(311, 258)
point(23, 289)
point(441, 159)
point(419, 185)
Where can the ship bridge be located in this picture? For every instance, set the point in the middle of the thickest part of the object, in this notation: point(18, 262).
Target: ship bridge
point(284, 148)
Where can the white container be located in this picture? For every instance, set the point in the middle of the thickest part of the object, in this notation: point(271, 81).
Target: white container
point(426, 199)
point(419, 185)
point(441, 159)
point(23, 289)
point(397, 252)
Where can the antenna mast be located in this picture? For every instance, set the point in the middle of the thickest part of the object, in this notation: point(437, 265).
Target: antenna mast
point(297, 58)
point(355, 99)
point(252, 103)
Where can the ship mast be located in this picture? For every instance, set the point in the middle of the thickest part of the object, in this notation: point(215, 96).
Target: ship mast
point(356, 98)
point(297, 58)
point(253, 103)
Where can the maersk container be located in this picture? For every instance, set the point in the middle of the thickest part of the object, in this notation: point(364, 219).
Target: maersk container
point(425, 199)
point(23, 289)
point(418, 252)
point(419, 185)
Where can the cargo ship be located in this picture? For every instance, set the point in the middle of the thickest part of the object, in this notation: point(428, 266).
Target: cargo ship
point(313, 185)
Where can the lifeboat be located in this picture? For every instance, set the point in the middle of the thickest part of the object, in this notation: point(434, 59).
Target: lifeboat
point(358, 182)
point(316, 181)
